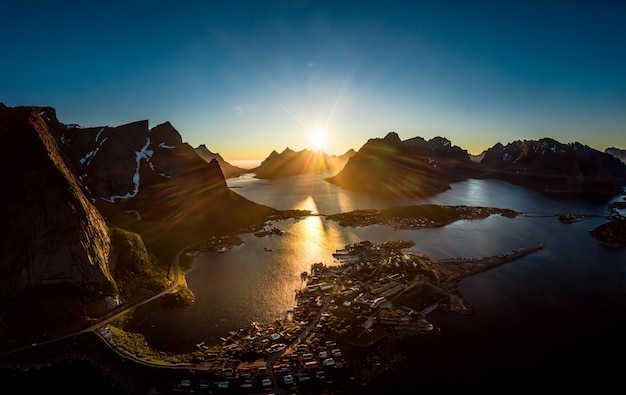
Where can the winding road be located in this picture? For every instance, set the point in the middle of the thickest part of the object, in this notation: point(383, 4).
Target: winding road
point(112, 315)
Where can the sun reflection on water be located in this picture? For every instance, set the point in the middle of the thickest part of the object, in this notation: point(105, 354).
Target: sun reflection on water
point(311, 239)
point(308, 204)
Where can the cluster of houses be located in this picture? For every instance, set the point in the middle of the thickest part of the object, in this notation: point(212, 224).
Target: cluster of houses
point(313, 364)
point(368, 277)
point(301, 351)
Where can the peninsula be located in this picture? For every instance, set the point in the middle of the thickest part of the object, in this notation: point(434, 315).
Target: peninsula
point(374, 293)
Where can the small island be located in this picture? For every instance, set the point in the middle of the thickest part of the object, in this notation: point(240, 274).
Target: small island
point(417, 216)
point(268, 232)
point(611, 234)
point(569, 218)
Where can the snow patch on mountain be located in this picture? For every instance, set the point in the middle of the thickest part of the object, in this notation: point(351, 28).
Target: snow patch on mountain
point(146, 154)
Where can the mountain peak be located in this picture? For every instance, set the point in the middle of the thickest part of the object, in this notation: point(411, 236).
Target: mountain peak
point(202, 148)
point(228, 170)
point(392, 137)
point(290, 163)
point(414, 167)
point(167, 134)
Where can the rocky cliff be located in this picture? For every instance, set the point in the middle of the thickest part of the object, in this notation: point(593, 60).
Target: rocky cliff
point(52, 233)
point(69, 185)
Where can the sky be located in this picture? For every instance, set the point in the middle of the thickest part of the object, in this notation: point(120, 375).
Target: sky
point(249, 77)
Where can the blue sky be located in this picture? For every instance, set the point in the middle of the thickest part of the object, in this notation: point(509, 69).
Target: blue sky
point(249, 77)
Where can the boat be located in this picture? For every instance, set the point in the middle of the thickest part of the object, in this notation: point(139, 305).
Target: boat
point(267, 249)
point(222, 249)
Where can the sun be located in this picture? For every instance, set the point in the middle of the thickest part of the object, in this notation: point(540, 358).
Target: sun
point(318, 139)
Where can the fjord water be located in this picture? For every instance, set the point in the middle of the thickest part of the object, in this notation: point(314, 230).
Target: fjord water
point(559, 301)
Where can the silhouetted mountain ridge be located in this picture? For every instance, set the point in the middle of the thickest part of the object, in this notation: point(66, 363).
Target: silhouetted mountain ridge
point(290, 163)
point(228, 170)
point(415, 167)
point(553, 167)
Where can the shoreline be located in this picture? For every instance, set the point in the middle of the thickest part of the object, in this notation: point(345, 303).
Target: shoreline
point(376, 358)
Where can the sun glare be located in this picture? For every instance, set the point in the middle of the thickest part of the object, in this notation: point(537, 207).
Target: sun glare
point(318, 139)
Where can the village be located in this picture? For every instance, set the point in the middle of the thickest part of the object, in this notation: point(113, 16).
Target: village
point(372, 292)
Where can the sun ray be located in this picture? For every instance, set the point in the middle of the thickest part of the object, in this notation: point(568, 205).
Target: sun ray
point(336, 101)
point(318, 135)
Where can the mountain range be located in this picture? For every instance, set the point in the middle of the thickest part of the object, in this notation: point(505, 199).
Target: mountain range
point(290, 163)
point(418, 168)
point(78, 198)
point(74, 190)
point(553, 167)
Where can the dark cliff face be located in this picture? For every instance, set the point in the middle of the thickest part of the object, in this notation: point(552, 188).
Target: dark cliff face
point(53, 234)
point(69, 184)
point(438, 148)
point(102, 157)
point(172, 177)
point(115, 163)
point(290, 163)
point(413, 168)
point(553, 167)
point(150, 174)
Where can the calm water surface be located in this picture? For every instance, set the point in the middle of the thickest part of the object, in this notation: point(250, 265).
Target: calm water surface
point(546, 300)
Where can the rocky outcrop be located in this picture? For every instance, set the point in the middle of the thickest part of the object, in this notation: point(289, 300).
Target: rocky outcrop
point(611, 234)
point(53, 234)
point(228, 170)
point(411, 168)
point(554, 167)
point(290, 163)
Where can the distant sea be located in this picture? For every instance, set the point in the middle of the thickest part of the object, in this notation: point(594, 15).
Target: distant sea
point(551, 322)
